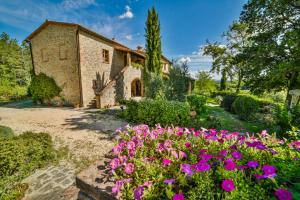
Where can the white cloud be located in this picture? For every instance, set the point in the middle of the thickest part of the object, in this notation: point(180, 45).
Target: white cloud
point(77, 4)
point(128, 37)
point(197, 61)
point(128, 13)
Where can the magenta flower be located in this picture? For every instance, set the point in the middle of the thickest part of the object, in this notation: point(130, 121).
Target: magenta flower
point(283, 194)
point(117, 187)
point(138, 193)
point(130, 145)
point(160, 147)
point(166, 162)
point(129, 168)
point(228, 185)
point(269, 171)
point(179, 196)
point(114, 163)
point(207, 157)
point(201, 166)
point(188, 145)
point(169, 181)
point(229, 166)
point(253, 164)
point(242, 167)
point(223, 152)
point(186, 168)
point(261, 146)
point(237, 155)
point(258, 176)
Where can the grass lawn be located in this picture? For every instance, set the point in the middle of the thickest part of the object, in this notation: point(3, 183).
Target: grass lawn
point(218, 118)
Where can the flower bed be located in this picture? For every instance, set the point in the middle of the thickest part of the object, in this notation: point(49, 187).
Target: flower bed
point(180, 163)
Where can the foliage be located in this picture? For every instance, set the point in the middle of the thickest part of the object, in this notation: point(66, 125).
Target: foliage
point(154, 86)
point(273, 54)
point(197, 103)
point(43, 88)
point(157, 111)
point(245, 106)
point(182, 163)
point(228, 100)
point(153, 42)
point(19, 157)
point(6, 132)
point(15, 66)
point(177, 83)
point(204, 83)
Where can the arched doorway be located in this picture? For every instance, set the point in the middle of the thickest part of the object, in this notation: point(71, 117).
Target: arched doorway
point(136, 88)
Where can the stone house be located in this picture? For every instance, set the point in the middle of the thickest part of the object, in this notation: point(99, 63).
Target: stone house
point(91, 70)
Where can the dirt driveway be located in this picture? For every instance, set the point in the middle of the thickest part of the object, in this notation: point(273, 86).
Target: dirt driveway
point(86, 133)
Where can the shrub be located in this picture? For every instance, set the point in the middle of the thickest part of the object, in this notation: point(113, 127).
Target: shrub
point(197, 103)
point(182, 163)
point(227, 101)
point(43, 88)
point(9, 92)
point(19, 157)
point(6, 132)
point(296, 116)
point(245, 107)
point(157, 111)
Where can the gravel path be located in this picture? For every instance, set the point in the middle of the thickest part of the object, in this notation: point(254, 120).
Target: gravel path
point(86, 133)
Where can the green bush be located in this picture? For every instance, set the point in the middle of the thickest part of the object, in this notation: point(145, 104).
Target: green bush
point(9, 92)
point(6, 132)
point(245, 107)
point(296, 116)
point(197, 103)
point(157, 111)
point(19, 157)
point(43, 88)
point(227, 101)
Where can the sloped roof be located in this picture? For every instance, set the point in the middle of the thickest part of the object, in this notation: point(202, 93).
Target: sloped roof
point(116, 45)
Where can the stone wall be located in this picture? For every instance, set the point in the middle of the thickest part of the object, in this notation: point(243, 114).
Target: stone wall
point(93, 67)
point(129, 75)
point(55, 54)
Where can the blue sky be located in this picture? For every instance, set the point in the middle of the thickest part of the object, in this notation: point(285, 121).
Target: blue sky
point(185, 24)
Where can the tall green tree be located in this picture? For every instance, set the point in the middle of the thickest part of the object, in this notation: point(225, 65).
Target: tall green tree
point(204, 83)
point(273, 56)
point(153, 42)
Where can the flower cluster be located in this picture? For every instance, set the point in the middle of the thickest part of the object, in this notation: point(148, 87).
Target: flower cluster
point(171, 163)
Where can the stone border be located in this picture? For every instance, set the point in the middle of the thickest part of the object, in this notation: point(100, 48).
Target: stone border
point(95, 183)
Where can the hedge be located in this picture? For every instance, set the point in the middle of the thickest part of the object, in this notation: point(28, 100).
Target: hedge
point(197, 103)
point(152, 112)
point(245, 107)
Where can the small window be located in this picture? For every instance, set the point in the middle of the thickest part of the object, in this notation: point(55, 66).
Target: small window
point(105, 56)
point(44, 55)
point(63, 52)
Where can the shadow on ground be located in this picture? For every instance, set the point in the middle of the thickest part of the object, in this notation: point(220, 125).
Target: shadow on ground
point(96, 120)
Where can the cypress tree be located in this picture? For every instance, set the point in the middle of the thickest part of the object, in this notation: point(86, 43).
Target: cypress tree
point(153, 42)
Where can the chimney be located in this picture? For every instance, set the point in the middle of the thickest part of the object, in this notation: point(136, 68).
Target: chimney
point(140, 48)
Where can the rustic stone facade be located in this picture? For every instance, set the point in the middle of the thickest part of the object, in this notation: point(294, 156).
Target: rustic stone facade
point(89, 68)
point(47, 49)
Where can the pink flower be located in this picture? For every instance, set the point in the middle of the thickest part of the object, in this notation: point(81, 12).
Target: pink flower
point(168, 144)
point(237, 155)
point(114, 163)
point(123, 159)
point(264, 133)
point(174, 154)
point(169, 181)
point(166, 162)
point(148, 183)
point(179, 196)
point(283, 194)
point(188, 145)
point(117, 149)
point(129, 168)
point(160, 147)
point(138, 193)
point(229, 166)
point(228, 185)
point(130, 145)
point(252, 164)
point(182, 154)
point(117, 187)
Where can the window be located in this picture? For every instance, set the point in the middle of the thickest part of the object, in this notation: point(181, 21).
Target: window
point(105, 56)
point(63, 52)
point(44, 55)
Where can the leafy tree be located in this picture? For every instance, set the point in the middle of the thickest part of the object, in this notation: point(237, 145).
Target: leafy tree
point(273, 61)
point(153, 42)
point(204, 83)
point(178, 82)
